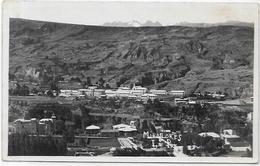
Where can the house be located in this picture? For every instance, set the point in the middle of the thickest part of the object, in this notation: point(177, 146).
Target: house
point(177, 93)
point(92, 130)
point(125, 130)
point(158, 92)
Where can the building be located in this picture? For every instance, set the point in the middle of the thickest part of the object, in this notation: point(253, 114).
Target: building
point(99, 92)
point(125, 130)
point(92, 87)
point(89, 92)
point(11, 129)
point(24, 126)
point(147, 96)
point(218, 96)
point(123, 92)
point(181, 100)
point(46, 126)
point(177, 93)
point(138, 90)
point(69, 93)
point(83, 91)
point(120, 126)
point(230, 137)
point(158, 92)
point(249, 116)
point(111, 93)
point(92, 130)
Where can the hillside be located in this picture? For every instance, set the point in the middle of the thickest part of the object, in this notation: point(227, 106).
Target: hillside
point(197, 59)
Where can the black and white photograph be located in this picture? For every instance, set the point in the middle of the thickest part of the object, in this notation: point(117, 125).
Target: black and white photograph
point(100, 80)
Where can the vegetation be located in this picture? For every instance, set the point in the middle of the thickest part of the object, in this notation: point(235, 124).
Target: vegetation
point(25, 145)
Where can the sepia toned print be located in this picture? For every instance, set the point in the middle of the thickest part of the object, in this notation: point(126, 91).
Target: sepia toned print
point(125, 88)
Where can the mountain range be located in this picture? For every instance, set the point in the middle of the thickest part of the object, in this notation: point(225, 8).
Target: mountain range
point(133, 23)
point(196, 59)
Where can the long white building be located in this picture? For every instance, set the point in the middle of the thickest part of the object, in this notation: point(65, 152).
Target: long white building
point(138, 90)
point(177, 93)
point(158, 92)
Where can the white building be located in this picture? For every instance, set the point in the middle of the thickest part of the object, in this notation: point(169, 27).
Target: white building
point(65, 93)
point(123, 92)
point(148, 96)
point(99, 92)
point(83, 91)
point(218, 96)
point(250, 116)
point(158, 92)
point(177, 93)
point(180, 100)
point(70, 93)
point(111, 93)
point(92, 87)
point(89, 92)
point(138, 90)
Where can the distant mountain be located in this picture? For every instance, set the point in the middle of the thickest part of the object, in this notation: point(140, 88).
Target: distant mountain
point(195, 59)
point(133, 23)
point(228, 23)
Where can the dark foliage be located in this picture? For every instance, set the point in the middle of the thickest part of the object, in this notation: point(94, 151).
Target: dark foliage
point(25, 145)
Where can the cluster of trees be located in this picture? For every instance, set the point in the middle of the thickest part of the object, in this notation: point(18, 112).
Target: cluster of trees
point(19, 90)
point(25, 145)
point(15, 112)
point(208, 95)
point(207, 144)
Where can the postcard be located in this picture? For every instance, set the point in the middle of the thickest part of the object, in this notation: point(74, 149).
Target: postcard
point(113, 81)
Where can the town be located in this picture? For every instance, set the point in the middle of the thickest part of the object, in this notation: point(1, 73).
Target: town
point(127, 121)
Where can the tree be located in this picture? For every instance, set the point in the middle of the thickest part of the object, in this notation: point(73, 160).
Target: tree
point(101, 82)
point(68, 134)
point(107, 86)
point(49, 93)
point(35, 91)
point(89, 81)
point(145, 125)
point(25, 145)
point(75, 79)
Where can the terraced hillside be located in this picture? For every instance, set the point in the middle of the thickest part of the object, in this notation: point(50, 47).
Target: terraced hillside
point(197, 59)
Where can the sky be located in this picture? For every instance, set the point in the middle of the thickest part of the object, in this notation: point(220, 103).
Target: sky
point(98, 13)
